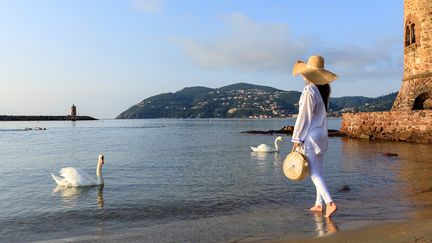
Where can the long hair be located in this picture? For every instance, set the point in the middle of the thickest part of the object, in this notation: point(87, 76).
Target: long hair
point(325, 94)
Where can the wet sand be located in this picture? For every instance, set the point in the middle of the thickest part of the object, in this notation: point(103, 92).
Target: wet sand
point(407, 231)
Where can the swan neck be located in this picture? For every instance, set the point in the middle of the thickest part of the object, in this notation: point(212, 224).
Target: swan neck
point(99, 174)
point(276, 145)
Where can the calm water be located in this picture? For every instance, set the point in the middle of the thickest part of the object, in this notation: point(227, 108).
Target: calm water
point(195, 180)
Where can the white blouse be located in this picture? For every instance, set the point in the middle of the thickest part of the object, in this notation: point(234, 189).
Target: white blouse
point(311, 125)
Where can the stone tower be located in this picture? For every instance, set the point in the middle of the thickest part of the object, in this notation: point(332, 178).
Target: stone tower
point(411, 117)
point(416, 90)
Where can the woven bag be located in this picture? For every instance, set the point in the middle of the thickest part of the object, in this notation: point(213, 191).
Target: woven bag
point(296, 166)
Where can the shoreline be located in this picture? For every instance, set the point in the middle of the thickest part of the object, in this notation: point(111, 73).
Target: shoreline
point(410, 230)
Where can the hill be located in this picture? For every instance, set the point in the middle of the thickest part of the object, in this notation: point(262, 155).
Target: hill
point(240, 100)
point(360, 103)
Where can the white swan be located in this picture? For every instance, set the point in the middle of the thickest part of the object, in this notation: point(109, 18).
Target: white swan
point(268, 149)
point(74, 177)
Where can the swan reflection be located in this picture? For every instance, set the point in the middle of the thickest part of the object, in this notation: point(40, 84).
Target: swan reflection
point(261, 159)
point(72, 195)
point(265, 156)
point(100, 198)
point(277, 160)
point(260, 156)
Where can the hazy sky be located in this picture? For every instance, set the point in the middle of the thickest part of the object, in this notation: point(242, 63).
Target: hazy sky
point(105, 56)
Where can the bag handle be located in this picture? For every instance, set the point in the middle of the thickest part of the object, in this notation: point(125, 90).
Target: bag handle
point(301, 149)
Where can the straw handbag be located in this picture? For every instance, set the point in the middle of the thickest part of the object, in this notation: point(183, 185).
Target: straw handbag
point(296, 166)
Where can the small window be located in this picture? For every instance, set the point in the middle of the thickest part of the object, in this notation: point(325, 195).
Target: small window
point(407, 36)
point(413, 37)
point(412, 33)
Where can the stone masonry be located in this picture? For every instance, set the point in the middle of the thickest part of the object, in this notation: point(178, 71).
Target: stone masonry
point(407, 126)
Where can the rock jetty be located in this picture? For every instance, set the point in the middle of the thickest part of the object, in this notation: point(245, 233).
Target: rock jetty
point(45, 118)
point(288, 130)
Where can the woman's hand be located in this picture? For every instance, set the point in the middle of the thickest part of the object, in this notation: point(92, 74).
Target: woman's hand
point(296, 147)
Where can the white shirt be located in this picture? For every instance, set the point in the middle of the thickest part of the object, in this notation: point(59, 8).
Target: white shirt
point(311, 124)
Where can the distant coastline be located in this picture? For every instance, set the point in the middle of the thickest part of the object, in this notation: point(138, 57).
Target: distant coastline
point(242, 100)
point(44, 118)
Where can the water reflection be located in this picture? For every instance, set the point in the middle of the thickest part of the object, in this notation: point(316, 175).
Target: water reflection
point(415, 173)
point(71, 196)
point(259, 156)
point(324, 226)
point(264, 156)
point(277, 162)
point(404, 180)
point(100, 198)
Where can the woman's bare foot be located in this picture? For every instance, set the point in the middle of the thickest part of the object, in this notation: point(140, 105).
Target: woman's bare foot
point(317, 208)
point(330, 209)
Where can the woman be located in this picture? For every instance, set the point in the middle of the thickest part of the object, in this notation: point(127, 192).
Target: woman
point(310, 130)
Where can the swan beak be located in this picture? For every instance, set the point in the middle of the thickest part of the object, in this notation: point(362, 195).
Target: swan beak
point(102, 161)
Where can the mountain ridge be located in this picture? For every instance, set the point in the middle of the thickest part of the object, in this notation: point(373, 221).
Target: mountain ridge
point(240, 100)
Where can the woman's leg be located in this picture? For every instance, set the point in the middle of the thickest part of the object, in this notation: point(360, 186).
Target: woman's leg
point(319, 202)
point(318, 170)
point(330, 205)
point(318, 207)
point(319, 199)
point(316, 163)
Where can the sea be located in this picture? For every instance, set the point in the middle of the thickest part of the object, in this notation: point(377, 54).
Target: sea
point(196, 180)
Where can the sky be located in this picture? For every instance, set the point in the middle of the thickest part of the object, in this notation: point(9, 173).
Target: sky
point(107, 55)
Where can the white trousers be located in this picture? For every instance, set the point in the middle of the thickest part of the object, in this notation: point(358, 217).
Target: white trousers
point(317, 176)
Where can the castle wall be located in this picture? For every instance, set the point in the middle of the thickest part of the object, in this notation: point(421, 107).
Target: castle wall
point(410, 90)
point(408, 126)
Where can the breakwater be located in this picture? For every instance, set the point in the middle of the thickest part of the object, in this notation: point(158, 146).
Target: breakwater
point(45, 118)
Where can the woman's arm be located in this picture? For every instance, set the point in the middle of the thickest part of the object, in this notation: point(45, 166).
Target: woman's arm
point(304, 118)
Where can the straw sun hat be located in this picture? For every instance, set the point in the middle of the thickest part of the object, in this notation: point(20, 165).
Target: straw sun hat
point(314, 71)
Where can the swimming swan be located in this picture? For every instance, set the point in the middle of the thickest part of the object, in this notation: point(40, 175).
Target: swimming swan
point(74, 177)
point(266, 148)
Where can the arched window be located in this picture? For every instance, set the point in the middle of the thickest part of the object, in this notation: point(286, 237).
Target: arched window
point(413, 33)
point(413, 37)
point(407, 36)
point(422, 101)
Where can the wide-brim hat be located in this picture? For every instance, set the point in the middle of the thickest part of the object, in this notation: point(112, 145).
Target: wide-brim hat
point(314, 71)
